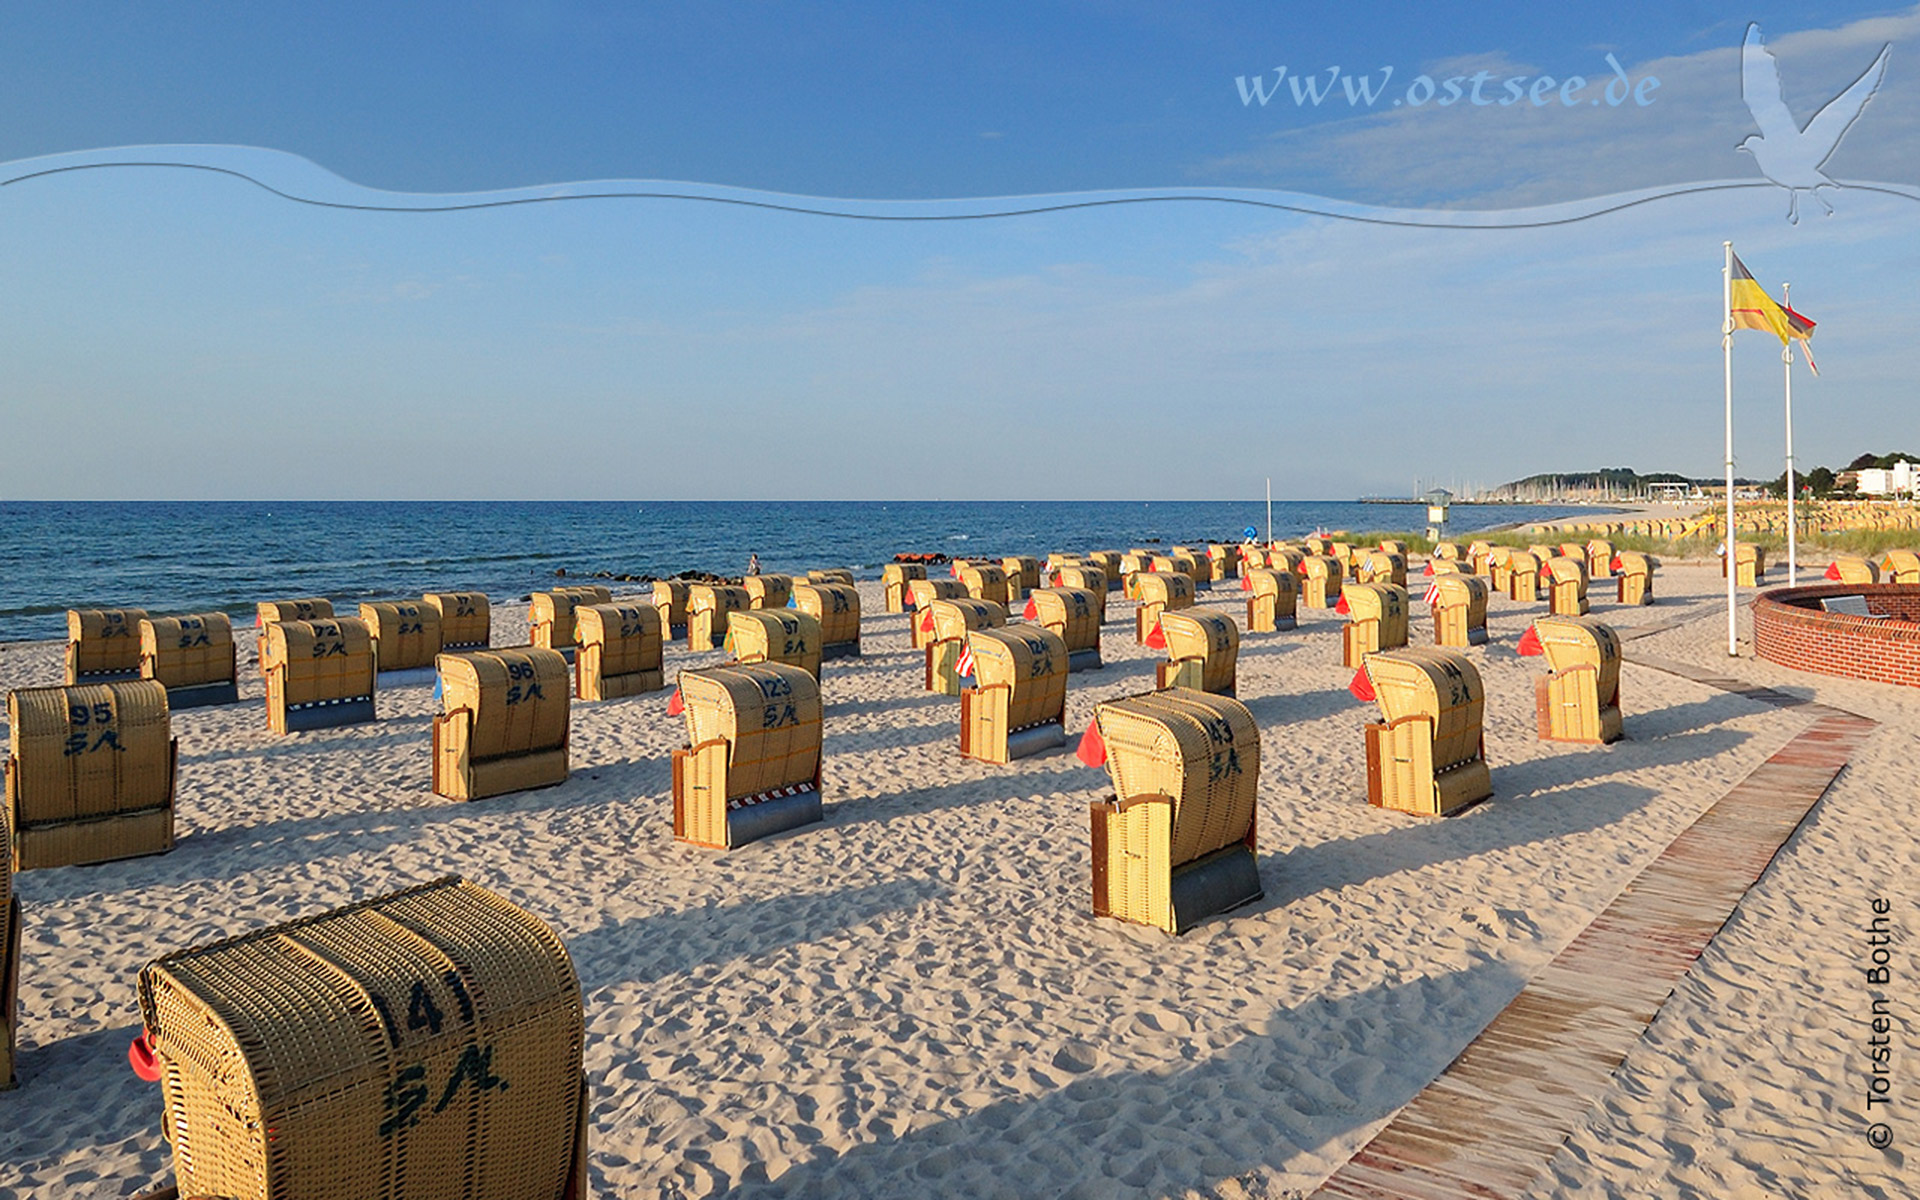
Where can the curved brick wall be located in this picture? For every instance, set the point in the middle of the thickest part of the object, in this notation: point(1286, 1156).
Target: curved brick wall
point(1790, 628)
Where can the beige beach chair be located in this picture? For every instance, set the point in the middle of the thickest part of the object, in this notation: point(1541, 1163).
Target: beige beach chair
point(1427, 754)
point(103, 644)
point(670, 598)
point(836, 606)
point(1633, 577)
point(1383, 566)
point(1023, 575)
point(894, 578)
point(1073, 614)
point(1158, 592)
point(193, 657)
point(90, 773)
point(775, 635)
point(1203, 651)
point(1580, 700)
point(1567, 587)
point(1321, 576)
point(751, 766)
point(767, 591)
point(428, 1042)
point(984, 581)
point(466, 619)
point(622, 651)
point(1376, 620)
point(921, 593)
point(1089, 578)
point(709, 605)
point(952, 620)
point(1272, 599)
point(1018, 704)
point(505, 722)
point(1175, 843)
point(1749, 564)
point(320, 674)
point(1459, 610)
point(550, 615)
point(406, 633)
point(1900, 566)
point(1523, 575)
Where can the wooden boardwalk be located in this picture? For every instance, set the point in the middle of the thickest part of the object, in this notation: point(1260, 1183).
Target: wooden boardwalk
point(1490, 1123)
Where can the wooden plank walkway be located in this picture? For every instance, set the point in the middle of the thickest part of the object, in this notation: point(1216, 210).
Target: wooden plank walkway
point(1487, 1127)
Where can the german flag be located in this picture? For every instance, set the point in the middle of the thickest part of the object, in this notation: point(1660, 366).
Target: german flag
point(1754, 309)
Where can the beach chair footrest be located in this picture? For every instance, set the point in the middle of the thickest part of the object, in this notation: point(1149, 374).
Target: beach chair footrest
point(1085, 660)
point(764, 817)
point(327, 714)
point(1213, 884)
point(1035, 739)
point(203, 695)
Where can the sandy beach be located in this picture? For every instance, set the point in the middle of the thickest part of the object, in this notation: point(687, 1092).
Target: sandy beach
point(912, 998)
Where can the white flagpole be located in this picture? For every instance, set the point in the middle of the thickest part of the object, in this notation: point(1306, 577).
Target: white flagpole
point(1269, 510)
point(1786, 357)
point(1726, 352)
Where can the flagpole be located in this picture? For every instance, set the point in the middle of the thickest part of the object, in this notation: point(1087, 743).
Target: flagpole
point(1269, 510)
point(1786, 358)
point(1726, 354)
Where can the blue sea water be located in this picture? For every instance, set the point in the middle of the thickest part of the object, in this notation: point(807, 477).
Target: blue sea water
point(169, 557)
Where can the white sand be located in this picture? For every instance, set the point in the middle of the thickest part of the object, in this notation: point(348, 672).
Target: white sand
point(912, 998)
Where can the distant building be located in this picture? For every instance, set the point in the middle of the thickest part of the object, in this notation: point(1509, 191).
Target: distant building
point(1897, 480)
point(1671, 491)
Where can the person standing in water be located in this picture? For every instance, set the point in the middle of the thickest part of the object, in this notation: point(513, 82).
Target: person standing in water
point(753, 564)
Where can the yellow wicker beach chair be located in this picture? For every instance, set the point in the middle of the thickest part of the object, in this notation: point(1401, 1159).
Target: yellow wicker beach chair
point(1158, 592)
point(1459, 610)
point(550, 615)
point(767, 591)
point(1203, 651)
point(670, 598)
point(751, 767)
point(320, 674)
point(103, 644)
point(894, 578)
point(1376, 620)
point(622, 650)
point(836, 606)
point(952, 620)
point(1018, 704)
point(193, 657)
point(406, 633)
point(1580, 700)
point(775, 635)
point(1633, 579)
point(426, 1043)
point(1073, 614)
point(1175, 844)
point(921, 593)
point(984, 581)
point(708, 607)
point(1567, 587)
point(90, 773)
point(1428, 753)
point(505, 724)
point(466, 619)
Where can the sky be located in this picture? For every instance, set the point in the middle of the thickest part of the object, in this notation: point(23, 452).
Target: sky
point(181, 334)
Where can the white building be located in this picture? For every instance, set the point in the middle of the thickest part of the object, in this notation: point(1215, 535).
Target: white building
point(1897, 480)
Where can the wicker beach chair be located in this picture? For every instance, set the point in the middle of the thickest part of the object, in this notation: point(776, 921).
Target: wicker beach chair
point(1580, 700)
point(1376, 620)
point(320, 674)
point(1175, 843)
point(894, 578)
point(621, 652)
point(406, 633)
point(775, 635)
point(193, 657)
point(1567, 586)
point(1018, 704)
point(424, 1044)
point(1072, 613)
point(951, 621)
point(466, 619)
point(1158, 592)
point(1203, 651)
point(103, 644)
point(1427, 754)
point(1273, 598)
point(505, 722)
point(1459, 610)
point(90, 773)
point(836, 606)
point(751, 766)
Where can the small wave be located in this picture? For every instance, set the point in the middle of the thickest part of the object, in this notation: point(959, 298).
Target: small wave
point(958, 537)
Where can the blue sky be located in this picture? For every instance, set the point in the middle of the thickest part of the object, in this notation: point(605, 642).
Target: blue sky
point(175, 335)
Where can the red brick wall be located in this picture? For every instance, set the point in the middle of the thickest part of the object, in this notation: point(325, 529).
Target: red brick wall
point(1790, 628)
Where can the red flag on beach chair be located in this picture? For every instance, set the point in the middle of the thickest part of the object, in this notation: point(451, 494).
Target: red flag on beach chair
point(676, 706)
point(1157, 640)
point(1427, 570)
point(1246, 583)
point(1361, 686)
point(1833, 571)
point(140, 1057)
point(1093, 747)
point(1530, 643)
point(1032, 610)
point(1343, 608)
point(926, 621)
point(1615, 564)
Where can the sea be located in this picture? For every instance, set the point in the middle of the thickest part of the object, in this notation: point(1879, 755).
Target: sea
point(200, 556)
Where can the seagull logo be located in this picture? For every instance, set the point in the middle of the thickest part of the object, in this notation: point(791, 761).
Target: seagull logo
point(1789, 155)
